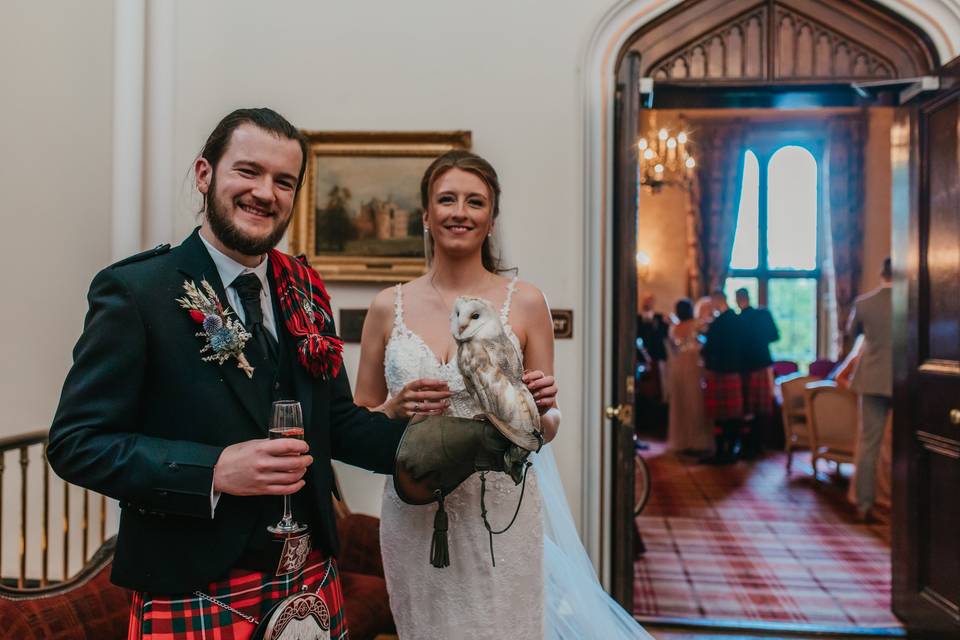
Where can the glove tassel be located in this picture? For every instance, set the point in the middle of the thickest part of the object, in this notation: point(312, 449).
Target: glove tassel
point(440, 546)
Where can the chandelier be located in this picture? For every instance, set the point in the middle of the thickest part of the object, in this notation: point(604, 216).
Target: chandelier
point(665, 160)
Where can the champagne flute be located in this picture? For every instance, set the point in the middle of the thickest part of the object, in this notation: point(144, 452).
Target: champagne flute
point(286, 421)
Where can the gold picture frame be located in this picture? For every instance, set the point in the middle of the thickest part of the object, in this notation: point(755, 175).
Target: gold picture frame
point(357, 218)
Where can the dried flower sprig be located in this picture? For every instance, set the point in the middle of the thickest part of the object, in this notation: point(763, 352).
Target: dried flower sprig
point(225, 336)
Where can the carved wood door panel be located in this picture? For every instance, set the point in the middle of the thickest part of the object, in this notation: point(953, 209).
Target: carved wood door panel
point(624, 359)
point(926, 515)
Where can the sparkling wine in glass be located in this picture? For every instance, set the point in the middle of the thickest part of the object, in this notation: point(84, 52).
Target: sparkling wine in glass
point(286, 421)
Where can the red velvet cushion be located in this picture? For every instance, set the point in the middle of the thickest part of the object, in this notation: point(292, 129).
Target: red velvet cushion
point(360, 544)
point(94, 609)
point(366, 606)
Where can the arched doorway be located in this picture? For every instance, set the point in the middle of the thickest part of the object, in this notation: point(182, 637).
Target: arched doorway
point(711, 48)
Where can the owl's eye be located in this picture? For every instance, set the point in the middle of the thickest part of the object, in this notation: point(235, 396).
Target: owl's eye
point(475, 316)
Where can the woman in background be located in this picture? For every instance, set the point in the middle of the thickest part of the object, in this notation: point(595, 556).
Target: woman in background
point(689, 430)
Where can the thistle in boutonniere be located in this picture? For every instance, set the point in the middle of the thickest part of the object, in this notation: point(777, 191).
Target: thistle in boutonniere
point(225, 336)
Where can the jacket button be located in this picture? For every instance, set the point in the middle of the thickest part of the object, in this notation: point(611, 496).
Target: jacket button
point(173, 466)
point(142, 511)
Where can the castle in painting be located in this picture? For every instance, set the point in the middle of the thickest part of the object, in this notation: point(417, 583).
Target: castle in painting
point(382, 220)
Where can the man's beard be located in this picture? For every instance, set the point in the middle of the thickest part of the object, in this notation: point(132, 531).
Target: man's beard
point(232, 237)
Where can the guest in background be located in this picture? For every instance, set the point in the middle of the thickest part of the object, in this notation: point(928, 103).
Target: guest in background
point(652, 328)
point(723, 389)
point(689, 431)
point(873, 382)
point(758, 330)
point(703, 313)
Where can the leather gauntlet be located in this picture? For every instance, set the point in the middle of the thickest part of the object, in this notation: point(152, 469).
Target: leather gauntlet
point(437, 453)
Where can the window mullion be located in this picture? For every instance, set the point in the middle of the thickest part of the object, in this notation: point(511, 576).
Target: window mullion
point(762, 267)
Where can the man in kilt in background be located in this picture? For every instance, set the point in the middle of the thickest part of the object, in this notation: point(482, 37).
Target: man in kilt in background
point(723, 392)
point(758, 330)
point(167, 404)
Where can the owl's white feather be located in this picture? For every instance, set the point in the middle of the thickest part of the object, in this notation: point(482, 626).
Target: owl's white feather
point(492, 370)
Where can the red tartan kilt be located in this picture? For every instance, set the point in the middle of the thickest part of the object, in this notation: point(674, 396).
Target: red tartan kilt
point(723, 395)
point(758, 392)
point(190, 617)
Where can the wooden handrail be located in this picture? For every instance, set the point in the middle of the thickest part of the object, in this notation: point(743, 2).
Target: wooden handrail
point(22, 443)
point(9, 443)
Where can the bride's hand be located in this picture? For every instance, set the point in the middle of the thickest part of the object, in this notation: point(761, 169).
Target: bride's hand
point(543, 388)
point(422, 396)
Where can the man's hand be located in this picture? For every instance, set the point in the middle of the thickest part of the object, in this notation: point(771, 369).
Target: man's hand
point(262, 468)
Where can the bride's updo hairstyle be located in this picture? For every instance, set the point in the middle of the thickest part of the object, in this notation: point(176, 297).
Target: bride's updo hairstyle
point(471, 163)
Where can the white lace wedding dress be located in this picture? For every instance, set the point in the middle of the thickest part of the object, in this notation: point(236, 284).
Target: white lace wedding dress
point(470, 598)
point(543, 585)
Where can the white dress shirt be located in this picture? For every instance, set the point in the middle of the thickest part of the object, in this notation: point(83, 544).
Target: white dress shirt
point(229, 270)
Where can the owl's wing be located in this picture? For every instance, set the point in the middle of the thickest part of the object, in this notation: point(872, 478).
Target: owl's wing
point(508, 404)
point(507, 357)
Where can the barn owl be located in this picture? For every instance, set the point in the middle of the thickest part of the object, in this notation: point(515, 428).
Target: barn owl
point(492, 371)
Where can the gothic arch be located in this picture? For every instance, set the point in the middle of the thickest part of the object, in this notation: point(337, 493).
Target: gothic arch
point(939, 20)
point(780, 41)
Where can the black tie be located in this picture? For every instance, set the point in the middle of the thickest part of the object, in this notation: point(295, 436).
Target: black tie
point(248, 288)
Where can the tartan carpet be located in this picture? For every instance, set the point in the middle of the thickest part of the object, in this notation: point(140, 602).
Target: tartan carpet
point(746, 542)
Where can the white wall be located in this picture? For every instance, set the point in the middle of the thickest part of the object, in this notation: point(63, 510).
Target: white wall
point(56, 61)
point(55, 127)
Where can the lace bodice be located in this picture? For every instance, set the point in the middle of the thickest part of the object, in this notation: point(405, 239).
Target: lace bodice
point(408, 358)
point(469, 594)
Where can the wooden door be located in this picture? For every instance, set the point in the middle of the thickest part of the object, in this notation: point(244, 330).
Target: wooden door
point(926, 253)
point(623, 245)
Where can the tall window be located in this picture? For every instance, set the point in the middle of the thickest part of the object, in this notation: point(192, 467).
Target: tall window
point(775, 251)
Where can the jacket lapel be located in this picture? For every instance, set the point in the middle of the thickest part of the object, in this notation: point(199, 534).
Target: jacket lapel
point(196, 264)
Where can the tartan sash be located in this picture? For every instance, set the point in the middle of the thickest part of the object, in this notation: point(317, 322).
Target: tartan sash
point(305, 307)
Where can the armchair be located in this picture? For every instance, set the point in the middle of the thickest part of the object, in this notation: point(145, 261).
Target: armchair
point(832, 414)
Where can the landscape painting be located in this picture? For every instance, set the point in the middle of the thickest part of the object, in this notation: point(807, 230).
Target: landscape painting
point(358, 216)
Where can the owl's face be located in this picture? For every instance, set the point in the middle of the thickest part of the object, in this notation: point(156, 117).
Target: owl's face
point(473, 318)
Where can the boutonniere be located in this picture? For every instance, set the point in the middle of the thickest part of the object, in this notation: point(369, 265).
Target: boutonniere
point(225, 336)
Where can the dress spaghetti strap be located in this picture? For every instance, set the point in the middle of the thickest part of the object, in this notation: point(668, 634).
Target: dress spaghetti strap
point(398, 324)
point(505, 309)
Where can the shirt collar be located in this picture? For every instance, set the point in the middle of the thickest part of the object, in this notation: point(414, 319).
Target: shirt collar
point(229, 269)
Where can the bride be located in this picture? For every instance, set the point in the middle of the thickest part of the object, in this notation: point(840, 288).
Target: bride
point(543, 584)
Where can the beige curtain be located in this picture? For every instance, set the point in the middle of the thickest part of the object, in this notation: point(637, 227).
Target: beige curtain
point(844, 171)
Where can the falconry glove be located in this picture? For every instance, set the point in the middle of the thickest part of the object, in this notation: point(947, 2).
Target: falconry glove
point(436, 454)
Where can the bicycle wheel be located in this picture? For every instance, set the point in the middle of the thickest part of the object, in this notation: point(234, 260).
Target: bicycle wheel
point(641, 489)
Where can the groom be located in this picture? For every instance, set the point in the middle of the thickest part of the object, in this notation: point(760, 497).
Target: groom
point(167, 404)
